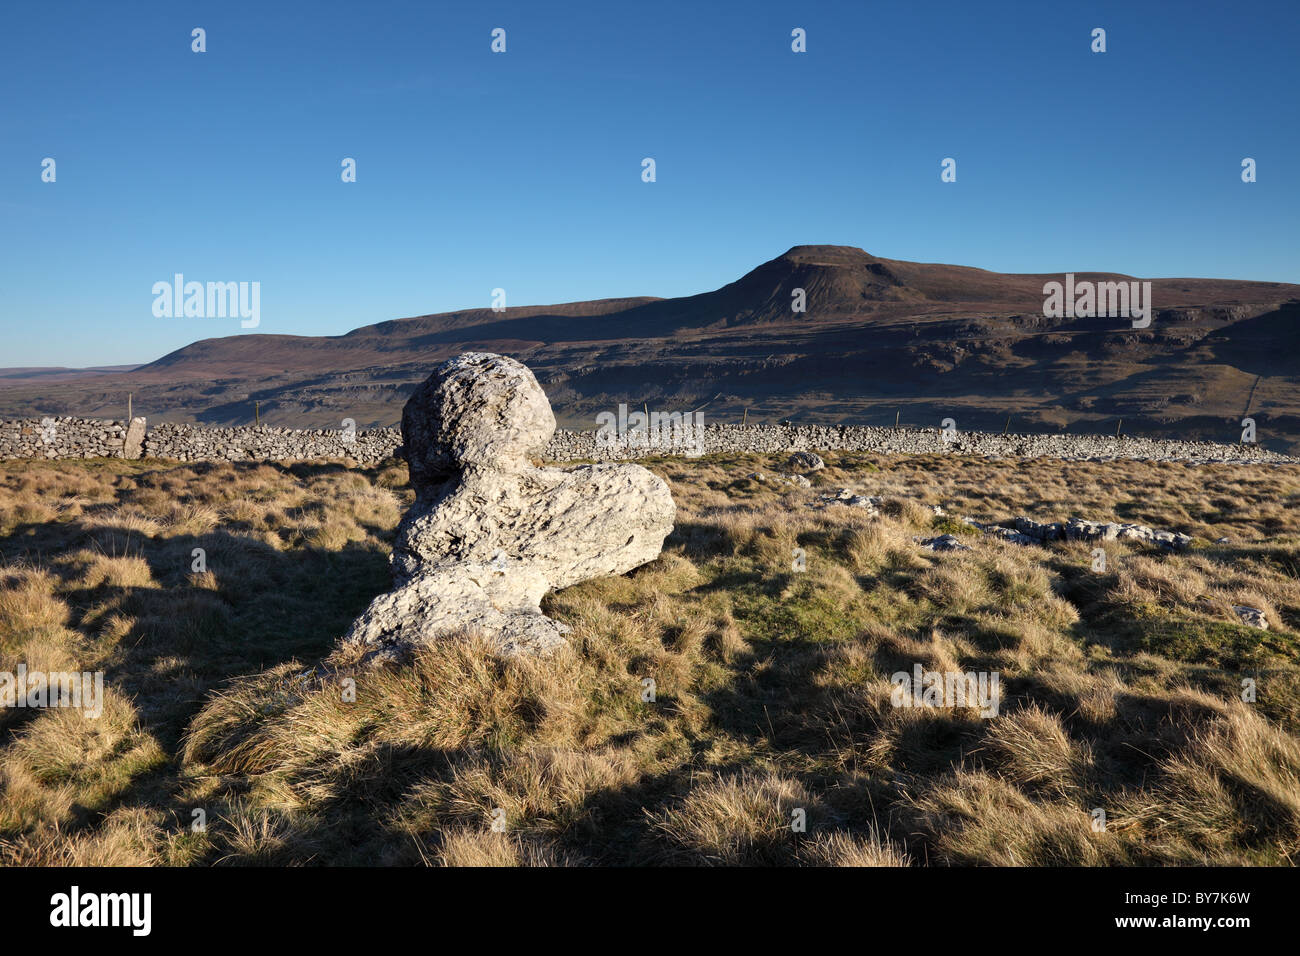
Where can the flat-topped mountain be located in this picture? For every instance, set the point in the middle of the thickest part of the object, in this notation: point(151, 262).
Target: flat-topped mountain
point(878, 338)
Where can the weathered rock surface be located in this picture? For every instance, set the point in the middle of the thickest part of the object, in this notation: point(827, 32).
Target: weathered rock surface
point(1024, 531)
point(944, 542)
point(871, 504)
point(805, 461)
point(1028, 531)
point(1251, 616)
point(490, 533)
point(133, 440)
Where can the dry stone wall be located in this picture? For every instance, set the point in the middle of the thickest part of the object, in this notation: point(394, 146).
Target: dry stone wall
point(93, 438)
point(266, 443)
point(785, 439)
point(62, 438)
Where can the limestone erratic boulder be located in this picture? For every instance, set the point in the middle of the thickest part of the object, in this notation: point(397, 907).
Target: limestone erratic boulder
point(490, 533)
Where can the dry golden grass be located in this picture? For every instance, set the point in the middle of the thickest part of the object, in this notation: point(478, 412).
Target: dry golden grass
point(1121, 690)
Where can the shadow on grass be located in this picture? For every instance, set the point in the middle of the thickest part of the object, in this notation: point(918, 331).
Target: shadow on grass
point(168, 643)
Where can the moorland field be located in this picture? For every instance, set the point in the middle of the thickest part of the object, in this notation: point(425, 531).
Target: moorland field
point(1121, 689)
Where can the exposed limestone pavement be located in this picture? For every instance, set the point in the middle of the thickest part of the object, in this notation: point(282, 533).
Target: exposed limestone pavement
point(847, 497)
point(1020, 530)
point(1028, 531)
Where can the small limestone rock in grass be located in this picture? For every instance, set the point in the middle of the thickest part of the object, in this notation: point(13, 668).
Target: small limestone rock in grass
point(1038, 530)
point(490, 533)
point(805, 461)
point(944, 542)
point(1251, 616)
point(844, 496)
point(1011, 535)
point(1028, 531)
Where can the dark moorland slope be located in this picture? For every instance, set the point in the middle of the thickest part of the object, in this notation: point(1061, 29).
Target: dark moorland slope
point(880, 338)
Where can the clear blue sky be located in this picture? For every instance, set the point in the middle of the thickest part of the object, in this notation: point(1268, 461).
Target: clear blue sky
point(523, 170)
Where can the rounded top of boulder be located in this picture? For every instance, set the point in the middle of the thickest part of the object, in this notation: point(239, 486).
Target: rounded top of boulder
point(476, 411)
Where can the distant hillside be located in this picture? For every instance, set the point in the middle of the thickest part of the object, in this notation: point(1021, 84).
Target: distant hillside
point(880, 338)
point(58, 374)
